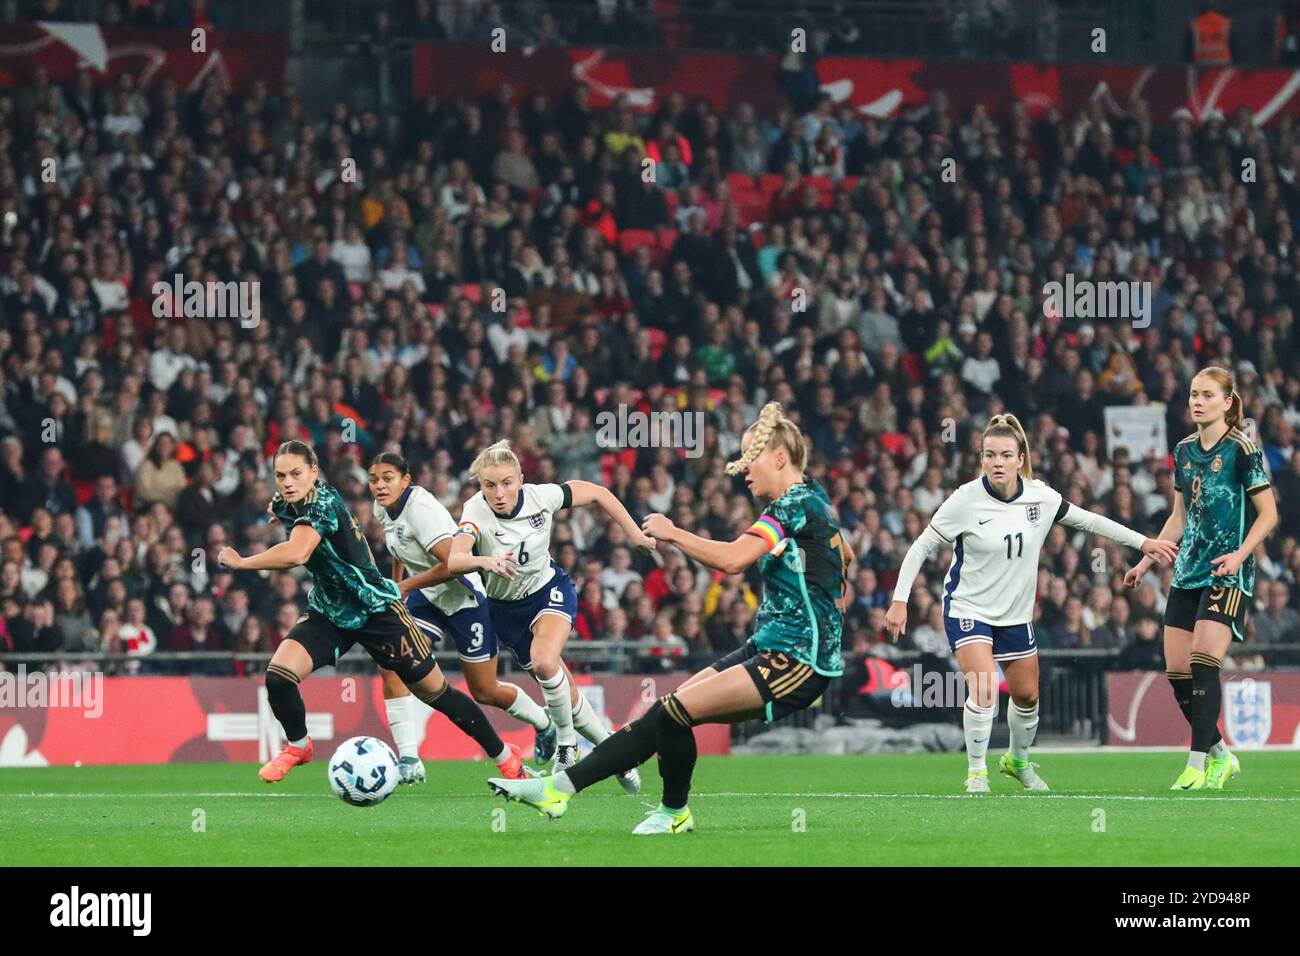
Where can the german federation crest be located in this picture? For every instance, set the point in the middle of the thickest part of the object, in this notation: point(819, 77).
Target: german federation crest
point(1248, 711)
point(1033, 513)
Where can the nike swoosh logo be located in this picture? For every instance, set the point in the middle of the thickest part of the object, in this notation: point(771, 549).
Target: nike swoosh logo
point(499, 534)
point(986, 521)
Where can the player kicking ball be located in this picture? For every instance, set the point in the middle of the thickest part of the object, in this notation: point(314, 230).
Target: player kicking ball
point(351, 603)
point(784, 667)
point(996, 526)
point(1218, 472)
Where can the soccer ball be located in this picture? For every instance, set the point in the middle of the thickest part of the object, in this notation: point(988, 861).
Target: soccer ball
point(363, 771)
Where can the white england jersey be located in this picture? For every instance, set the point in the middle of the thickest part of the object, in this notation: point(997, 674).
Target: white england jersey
point(526, 533)
point(410, 537)
point(995, 546)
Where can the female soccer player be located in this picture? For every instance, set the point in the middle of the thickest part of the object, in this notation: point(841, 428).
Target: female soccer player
point(1217, 471)
point(996, 526)
point(418, 531)
point(351, 603)
point(508, 523)
point(784, 667)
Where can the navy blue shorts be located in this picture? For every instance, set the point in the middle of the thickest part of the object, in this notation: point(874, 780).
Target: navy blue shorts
point(512, 621)
point(1010, 643)
point(470, 628)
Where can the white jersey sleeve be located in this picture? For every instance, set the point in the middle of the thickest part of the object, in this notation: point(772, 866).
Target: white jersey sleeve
point(429, 521)
point(554, 497)
point(949, 519)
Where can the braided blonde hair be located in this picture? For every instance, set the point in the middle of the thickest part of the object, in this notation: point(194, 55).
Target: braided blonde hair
point(772, 425)
point(1008, 426)
point(498, 453)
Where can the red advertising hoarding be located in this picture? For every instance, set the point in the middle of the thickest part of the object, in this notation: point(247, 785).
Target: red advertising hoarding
point(154, 720)
point(1258, 709)
point(876, 87)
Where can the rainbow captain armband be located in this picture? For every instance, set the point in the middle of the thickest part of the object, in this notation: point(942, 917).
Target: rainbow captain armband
point(770, 530)
point(469, 528)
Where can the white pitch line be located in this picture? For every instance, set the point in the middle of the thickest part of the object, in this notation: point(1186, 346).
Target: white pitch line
point(730, 795)
point(983, 796)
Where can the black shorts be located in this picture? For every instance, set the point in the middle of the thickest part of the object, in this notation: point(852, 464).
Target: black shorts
point(785, 684)
point(1223, 605)
point(391, 638)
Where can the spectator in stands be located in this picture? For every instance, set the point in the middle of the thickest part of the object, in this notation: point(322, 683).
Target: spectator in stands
point(1277, 622)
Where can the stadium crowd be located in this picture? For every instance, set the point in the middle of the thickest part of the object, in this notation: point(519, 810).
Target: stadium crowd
point(816, 257)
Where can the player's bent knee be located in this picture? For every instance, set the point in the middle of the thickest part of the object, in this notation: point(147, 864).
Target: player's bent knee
point(545, 666)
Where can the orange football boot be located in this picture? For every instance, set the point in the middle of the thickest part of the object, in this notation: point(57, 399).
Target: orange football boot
point(275, 769)
point(513, 767)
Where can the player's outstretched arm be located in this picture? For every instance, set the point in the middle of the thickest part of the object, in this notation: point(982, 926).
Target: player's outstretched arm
point(729, 557)
point(1158, 549)
point(1173, 530)
point(303, 540)
point(586, 493)
point(922, 550)
point(461, 559)
point(1263, 525)
point(437, 574)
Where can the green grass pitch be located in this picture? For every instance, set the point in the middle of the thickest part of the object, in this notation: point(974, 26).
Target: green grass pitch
point(880, 810)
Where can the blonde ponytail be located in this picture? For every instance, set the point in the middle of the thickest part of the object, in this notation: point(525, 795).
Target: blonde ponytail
point(1008, 426)
point(772, 425)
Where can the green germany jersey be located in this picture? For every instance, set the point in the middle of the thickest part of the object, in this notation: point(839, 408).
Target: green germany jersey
point(1216, 487)
point(803, 577)
point(348, 586)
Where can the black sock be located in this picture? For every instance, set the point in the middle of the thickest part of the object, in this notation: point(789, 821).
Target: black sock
point(620, 752)
point(286, 701)
point(1182, 683)
point(1207, 702)
point(676, 745)
point(461, 710)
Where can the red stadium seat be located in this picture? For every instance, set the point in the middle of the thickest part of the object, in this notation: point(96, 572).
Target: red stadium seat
point(673, 201)
point(741, 184)
point(472, 291)
point(667, 238)
point(769, 184)
point(630, 240)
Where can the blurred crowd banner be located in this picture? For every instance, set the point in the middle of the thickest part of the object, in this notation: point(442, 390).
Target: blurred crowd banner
point(154, 720)
point(879, 88)
point(1258, 710)
point(1139, 428)
point(62, 49)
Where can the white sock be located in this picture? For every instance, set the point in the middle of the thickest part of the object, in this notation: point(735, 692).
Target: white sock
point(1218, 751)
point(978, 723)
point(587, 722)
point(503, 756)
point(562, 783)
point(526, 709)
point(299, 743)
point(402, 725)
point(556, 692)
point(1023, 722)
point(1196, 758)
